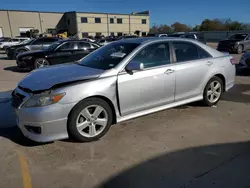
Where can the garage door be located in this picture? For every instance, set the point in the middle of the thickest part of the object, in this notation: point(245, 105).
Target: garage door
point(1, 32)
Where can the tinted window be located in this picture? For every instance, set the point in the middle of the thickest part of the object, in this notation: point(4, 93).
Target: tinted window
point(111, 20)
point(84, 20)
point(97, 20)
point(188, 36)
point(108, 56)
point(185, 51)
point(67, 46)
point(15, 40)
point(83, 45)
point(119, 20)
point(238, 37)
point(154, 55)
point(143, 21)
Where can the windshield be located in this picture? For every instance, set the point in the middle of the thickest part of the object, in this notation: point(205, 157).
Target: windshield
point(238, 37)
point(109, 56)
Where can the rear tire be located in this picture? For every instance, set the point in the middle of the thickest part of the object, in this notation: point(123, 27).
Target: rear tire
point(213, 91)
point(89, 120)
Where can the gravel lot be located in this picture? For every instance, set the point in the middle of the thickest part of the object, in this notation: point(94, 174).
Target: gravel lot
point(189, 146)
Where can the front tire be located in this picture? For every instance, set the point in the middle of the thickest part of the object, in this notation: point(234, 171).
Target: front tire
point(239, 49)
point(40, 63)
point(213, 91)
point(90, 120)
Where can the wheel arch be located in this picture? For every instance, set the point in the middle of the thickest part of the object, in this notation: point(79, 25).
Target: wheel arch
point(107, 100)
point(222, 77)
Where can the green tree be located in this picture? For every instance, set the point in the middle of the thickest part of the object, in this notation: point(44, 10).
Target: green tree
point(179, 27)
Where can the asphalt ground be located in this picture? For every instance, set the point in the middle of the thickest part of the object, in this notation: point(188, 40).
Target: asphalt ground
point(190, 146)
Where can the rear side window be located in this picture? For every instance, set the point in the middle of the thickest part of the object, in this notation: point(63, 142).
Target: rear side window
point(185, 51)
point(67, 46)
point(83, 45)
point(154, 55)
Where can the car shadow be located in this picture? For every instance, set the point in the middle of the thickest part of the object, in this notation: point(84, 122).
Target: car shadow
point(219, 165)
point(8, 126)
point(239, 93)
point(16, 69)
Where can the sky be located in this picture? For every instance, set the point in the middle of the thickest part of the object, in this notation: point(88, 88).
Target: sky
point(189, 12)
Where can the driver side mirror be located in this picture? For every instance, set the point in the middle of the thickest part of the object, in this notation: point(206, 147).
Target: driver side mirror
point(134, 66)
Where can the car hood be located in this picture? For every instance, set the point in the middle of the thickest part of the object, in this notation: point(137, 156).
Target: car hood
point(46, 78)
point(31, 53)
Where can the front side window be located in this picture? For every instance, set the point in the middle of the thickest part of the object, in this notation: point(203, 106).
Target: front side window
point(97, 20)
point(84, 20)
point(119, 20)
point(108, 56)
point(185, 51)
point(154, 55)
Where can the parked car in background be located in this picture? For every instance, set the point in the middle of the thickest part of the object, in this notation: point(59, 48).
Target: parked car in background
point(120, 81)
point(191, 35)
point(33, 44)
point(157, 35)
point(4, 39)
point(12, 42)
point(244, 64)
point(88, 39)
point(236, 43)
point(57, 53)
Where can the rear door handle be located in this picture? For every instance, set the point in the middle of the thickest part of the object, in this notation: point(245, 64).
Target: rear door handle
point(209, 63)
point(169, 71)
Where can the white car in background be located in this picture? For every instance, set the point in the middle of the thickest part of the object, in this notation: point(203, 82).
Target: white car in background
point(12, 42)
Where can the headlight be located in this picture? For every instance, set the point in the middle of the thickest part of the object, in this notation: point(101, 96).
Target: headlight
point(27, 58)
point(42, 100)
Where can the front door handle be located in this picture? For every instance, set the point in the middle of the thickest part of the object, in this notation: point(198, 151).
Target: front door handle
point(169, 71)
point(209, 63)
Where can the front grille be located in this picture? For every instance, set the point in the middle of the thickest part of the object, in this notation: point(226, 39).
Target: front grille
point(17, 99)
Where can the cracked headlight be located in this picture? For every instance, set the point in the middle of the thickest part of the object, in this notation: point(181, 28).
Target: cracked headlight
point(42, 100)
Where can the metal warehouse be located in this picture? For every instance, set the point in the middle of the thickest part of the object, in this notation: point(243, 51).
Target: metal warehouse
point(82, 24)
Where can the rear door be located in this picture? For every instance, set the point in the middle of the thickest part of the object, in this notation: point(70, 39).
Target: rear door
point(193, 66)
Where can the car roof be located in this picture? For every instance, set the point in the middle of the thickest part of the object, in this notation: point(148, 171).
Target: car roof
point(151, 39)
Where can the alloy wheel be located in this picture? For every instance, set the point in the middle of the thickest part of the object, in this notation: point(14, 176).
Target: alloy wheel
point(214, 91)
point(91, 121)
point(42, 63)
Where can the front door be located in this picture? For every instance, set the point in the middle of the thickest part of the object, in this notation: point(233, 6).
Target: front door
point(193, 65)
point(152, 87)
point(64, 53)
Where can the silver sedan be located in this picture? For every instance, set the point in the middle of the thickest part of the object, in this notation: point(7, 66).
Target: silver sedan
point(122, 80)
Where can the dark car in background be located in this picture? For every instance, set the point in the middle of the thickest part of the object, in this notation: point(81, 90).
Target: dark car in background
point(236, 43)
point(59, 52)
point(33, 44)
point(244, 64)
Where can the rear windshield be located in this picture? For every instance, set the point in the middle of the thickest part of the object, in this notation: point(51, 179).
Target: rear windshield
point(238, 37)
point(108, 56)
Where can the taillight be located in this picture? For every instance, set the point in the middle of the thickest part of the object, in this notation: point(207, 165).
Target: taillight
point(233, 61)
